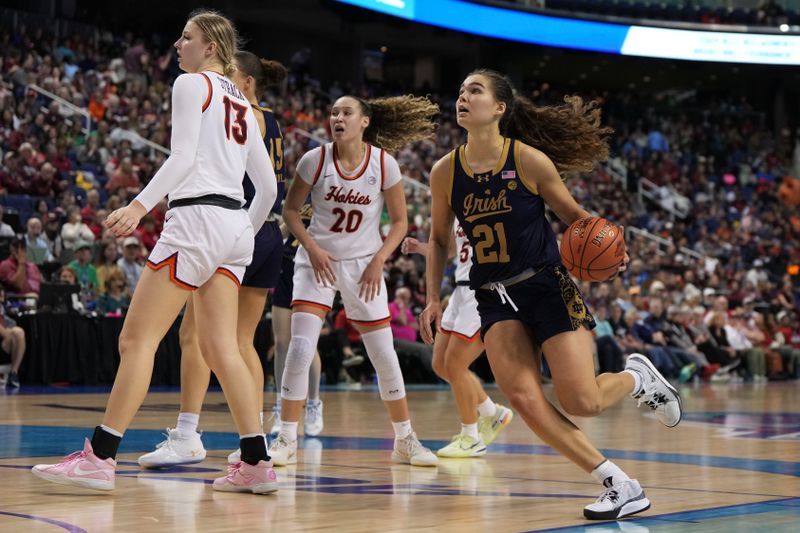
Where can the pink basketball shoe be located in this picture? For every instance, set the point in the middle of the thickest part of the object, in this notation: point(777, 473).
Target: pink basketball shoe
point(82, 469)
point(243, 477)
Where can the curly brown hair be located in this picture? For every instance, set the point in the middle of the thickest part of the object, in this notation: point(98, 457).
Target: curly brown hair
point(569, 134)
point(398, 120)
point(267, 73)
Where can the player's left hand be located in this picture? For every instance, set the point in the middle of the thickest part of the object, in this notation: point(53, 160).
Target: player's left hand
point(370, 281)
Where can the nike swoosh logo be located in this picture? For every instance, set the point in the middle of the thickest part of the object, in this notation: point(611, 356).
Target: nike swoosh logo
point(78, 471)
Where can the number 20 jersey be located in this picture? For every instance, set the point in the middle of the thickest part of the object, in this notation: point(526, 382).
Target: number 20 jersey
point(347, 205)
point(501, 216)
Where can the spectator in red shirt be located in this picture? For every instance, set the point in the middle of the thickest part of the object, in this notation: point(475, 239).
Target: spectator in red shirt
point(11, 176)
point(92, 205)
point(48, 182)
point(342, 322)
point(148, 233)
point(19, 275)
point(124, 178)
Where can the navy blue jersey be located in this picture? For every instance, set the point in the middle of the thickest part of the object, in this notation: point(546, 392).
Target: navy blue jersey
point(503, 218)
point(274, 141)
point(291, 244)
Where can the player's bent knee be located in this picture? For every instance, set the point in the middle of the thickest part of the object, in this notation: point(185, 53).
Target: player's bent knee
point(299, 356)
point(440, 368)
point(455, 366)
point(581, 405)
point(523, 400)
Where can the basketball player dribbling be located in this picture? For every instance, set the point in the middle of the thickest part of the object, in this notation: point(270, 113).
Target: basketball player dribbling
point(183, 444)
point(498, 186)
point(203, 251)
point(458, 345)
point(342, 251)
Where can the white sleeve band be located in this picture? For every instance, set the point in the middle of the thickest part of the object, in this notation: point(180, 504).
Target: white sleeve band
point(188, 94)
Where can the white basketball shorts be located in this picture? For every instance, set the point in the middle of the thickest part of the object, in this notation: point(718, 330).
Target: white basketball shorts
point(348, 272)
point(200, 240)
point(461, 317)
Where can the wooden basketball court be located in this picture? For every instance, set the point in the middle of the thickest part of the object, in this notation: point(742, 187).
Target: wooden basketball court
point(733, 464)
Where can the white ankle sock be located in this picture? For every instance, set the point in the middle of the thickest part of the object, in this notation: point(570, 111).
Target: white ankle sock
point(609, 474)
point(471, 430)
point(314, 403)
point(487, 407)
point(637, 382)
point(289, 430)
point(187, 424)
point(402, 429)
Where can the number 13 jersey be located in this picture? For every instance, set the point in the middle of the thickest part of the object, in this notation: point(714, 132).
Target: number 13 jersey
point(501, 216)
point(347, 205)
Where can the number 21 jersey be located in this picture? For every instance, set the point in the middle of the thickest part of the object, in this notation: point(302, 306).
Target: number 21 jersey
point(501, 216)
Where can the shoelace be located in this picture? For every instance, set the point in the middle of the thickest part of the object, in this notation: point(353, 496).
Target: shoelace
point(652, 399)
point(74, 456)
point(282, 441)
point(464, 442)
point(166, 442)
point(232, 469)
point(610, 494)
point(414, 445)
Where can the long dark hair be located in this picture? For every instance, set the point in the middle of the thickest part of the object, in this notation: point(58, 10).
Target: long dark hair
point(267, 73)
point(398, 120)
point(569, 134)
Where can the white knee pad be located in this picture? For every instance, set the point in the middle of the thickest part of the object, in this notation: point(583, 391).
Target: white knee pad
point(302, 346)
point(380, 349)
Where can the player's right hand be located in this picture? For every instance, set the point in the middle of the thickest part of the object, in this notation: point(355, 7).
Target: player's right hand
point(321, 262)
point(432, 313)
point(410, 245)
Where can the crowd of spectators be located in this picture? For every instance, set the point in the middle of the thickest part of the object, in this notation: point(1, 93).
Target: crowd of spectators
point(715, 302)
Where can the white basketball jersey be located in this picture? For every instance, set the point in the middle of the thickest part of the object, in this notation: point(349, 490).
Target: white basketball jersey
point(347, 208)
point(463, 258)
point(227, 126)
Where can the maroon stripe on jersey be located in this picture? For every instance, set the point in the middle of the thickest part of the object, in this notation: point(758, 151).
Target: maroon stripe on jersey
point(210, 91)
point(320, 165)
point(360, 172)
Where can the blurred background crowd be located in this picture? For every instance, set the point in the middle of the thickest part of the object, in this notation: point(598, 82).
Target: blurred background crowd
point(706, 188)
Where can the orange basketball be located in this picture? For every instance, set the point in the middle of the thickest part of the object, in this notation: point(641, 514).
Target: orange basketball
point(593, 249)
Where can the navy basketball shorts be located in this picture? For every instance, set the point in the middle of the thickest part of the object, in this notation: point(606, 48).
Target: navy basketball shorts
point(263, 271)
point(548, 302)
point(285, 286)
